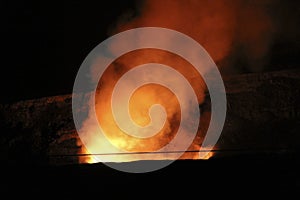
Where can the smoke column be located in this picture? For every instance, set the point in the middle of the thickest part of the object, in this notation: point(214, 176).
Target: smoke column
point(238, 34)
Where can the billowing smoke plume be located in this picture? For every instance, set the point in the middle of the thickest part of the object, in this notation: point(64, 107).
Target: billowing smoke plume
point(238, 34)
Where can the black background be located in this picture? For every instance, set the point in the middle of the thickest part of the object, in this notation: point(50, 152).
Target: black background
point(43, 43)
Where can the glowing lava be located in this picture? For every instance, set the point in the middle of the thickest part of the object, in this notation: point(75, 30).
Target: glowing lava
point(133, 148)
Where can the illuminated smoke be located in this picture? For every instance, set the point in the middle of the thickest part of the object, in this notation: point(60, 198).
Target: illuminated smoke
point(229, 30)
point(232, 31)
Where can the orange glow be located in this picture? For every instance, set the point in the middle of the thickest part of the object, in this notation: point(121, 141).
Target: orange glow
point(230, 31)
point(140, 102)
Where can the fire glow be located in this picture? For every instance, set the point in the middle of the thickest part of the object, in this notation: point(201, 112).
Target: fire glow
point(228, 30)
point(140, 103)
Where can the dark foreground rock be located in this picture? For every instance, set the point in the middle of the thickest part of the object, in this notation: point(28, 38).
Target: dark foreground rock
point(263, 115)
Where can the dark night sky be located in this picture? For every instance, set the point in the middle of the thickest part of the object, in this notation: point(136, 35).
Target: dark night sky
point(43, 43)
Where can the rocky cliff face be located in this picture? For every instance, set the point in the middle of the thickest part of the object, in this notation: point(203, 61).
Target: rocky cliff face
point(262, 116)
point(263, 112)
point(34, 129)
